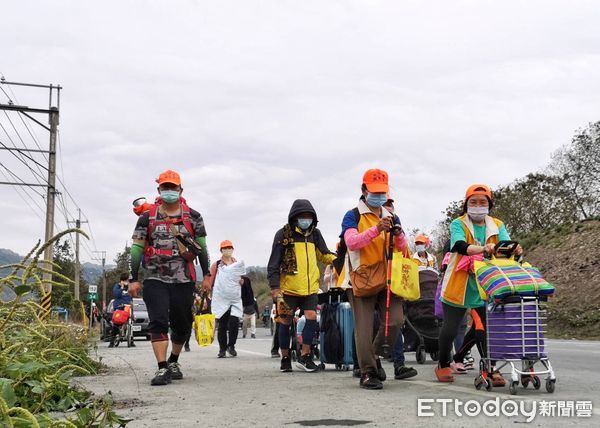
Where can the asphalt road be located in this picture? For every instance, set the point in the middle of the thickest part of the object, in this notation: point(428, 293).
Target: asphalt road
point(250, 391)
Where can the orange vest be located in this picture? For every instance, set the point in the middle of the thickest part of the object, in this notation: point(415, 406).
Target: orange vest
point(454, 285)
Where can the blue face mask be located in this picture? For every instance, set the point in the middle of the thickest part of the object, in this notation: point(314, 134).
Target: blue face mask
point(376, 199)
point(304, 223)
point(169, 196)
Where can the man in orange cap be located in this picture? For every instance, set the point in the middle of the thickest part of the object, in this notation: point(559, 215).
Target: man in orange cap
point(169, 236)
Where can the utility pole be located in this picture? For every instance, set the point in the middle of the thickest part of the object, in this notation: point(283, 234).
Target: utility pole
point(53, 118)
point(103, 276)
point(51, 194)
point(77, 263)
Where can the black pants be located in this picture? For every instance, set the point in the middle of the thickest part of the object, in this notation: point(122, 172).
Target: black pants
point(169, 306)
point(453, 317)
point(227, 324)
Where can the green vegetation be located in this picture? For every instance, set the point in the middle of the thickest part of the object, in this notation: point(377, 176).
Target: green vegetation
point(38, 358)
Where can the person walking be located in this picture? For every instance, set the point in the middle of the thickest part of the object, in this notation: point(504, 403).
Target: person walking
point(366, 231)
point(250, 308)
point(169, 237)
point(293, 275)
point(226, 284)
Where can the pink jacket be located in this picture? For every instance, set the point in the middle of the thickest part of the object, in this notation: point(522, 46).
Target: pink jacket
point(355, 241)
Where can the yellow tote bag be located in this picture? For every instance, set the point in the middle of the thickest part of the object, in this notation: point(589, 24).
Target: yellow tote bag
point(204, 325)
point(405, 277)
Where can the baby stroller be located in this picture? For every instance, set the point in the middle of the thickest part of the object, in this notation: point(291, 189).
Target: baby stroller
point(421, 327)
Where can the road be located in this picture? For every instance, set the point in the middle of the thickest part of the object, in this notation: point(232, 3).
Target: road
point(250, 391)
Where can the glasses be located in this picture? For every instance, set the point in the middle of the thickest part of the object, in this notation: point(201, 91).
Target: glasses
point(139, 202)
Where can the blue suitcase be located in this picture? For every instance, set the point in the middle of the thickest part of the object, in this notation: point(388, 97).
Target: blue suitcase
point(345, 325)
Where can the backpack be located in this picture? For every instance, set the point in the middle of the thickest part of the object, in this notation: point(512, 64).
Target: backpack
point(338, 263)
point(186, 216)
point(333, 348)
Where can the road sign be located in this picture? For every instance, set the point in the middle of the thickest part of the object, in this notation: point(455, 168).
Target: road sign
point(92, 296)
point(92, 288)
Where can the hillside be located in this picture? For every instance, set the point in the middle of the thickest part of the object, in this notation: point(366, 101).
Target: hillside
point(569, 258)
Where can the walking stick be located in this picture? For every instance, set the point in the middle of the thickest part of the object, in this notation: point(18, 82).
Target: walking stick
point(389, 256)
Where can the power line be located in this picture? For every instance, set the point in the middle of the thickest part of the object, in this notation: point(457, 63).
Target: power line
point(20, 151)
point(20, 180)
point(33, 210)
point(23, 142)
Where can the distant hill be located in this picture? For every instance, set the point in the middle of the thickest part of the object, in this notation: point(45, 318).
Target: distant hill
point(569, 258)
point(91, 272)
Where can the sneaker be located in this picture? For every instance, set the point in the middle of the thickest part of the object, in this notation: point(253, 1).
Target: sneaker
point(444, 374)
point(370, 380)
point(458, 368)
point(161, 377)
point(175, 370)
point(306, 363)
point(468, 365)
point(275, 354)
point(403, 372)
point(380, 371)
point(221, 354)
point(232, 351)
point(253, 336)
point(286, 365)
point(187, 348)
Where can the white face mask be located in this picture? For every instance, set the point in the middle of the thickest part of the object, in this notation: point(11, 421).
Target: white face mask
point(477, 213)
point(228, 252)
point(420, 248)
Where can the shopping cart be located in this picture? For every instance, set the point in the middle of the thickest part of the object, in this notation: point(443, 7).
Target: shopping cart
point(515, 331)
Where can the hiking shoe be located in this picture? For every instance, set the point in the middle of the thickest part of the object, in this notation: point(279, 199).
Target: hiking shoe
point(221, 354)
point(253, 336)
point(275, 354)
point(232, 351)
point(458, 368)
point(175, 370)
point(444, 374)
point(306, 363)
point(403, 372)
point(380, 371)
point(161, 377)
point(286, 365)
point(370, 380)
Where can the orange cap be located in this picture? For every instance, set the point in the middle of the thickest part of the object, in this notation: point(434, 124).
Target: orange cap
point(376, 181)
point(169, 176)
point(478, 189)
point(226, 243)
point(422, 239)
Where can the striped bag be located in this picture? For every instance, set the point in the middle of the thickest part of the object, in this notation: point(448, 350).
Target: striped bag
point(500, 278)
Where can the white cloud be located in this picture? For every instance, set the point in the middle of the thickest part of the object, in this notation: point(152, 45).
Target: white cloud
point(260, 103)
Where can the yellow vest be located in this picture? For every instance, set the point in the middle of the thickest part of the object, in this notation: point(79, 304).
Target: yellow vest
point(454, 285)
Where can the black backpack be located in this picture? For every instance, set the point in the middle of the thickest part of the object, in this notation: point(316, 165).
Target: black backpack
point(333, 348)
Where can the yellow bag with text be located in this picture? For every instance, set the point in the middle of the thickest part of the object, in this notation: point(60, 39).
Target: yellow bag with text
point(204, 326)
point(405, 277)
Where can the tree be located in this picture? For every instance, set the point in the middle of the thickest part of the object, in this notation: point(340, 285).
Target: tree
point(577, 165)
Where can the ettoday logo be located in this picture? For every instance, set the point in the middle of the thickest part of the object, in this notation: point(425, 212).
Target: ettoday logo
point(471, 408)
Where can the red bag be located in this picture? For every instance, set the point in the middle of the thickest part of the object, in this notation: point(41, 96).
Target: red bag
point(120, 317)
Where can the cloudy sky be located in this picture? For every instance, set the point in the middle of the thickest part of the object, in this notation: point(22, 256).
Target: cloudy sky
point(257, 103)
